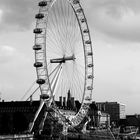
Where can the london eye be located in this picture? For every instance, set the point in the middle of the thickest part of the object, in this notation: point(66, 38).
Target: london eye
point(63, 56)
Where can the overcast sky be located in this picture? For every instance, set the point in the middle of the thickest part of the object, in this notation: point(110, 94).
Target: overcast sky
point(115, 31)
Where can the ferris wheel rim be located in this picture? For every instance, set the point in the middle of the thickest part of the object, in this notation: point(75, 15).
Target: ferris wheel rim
point(75, 4)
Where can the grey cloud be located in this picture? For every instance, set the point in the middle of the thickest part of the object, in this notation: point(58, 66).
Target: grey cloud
point(105, 16)
point(117, 19)
point(17, 14)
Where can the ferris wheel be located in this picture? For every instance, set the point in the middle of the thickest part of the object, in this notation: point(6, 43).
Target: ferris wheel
point(63, 54)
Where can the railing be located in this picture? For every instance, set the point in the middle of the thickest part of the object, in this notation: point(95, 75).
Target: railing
point(128, 132)
point(17, 137)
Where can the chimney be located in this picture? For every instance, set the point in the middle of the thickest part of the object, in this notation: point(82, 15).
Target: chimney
point(60, 100)
point(72, 102)
point(69, 96)
point(69, 99)
point(64, 101)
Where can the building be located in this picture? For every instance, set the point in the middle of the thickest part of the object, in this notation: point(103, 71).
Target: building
point(15, 117)
point(114, 109)
point(133, 120)
point(104, 120)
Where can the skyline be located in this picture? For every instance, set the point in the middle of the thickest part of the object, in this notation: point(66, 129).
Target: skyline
point(115, 32)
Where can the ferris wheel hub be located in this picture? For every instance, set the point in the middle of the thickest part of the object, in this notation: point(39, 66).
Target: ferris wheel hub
point(63, 59)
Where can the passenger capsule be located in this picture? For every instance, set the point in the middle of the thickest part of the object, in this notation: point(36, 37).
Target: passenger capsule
point(44, 96)
point(37, 47)
point(83, 20)
point(90, 76)
point(88, 98)
point(88, 42)
point(89, 87)
point(40, 81)
point(38, 64)
point(42, 3)
point(37, 30)
point(79, 10)
point(75, 1)
point(90, 65)
point(89, 53)
point(39, 16)
point(86, 31)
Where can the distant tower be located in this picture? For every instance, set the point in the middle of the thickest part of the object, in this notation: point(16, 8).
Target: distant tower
point(72, 102)
point(69, 99)
point(69, 95)
point(64, 101)
point(60, 100)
